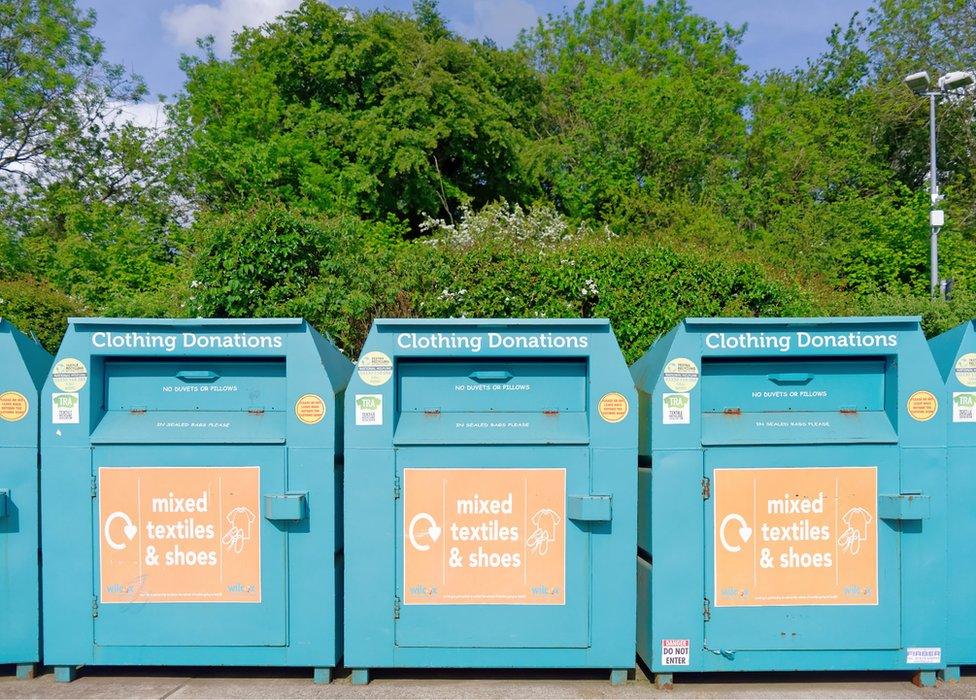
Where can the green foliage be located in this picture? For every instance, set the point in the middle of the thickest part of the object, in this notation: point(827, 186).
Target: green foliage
point(375, 114)
point(642, 101)
point(618, 162)
point(37, 308)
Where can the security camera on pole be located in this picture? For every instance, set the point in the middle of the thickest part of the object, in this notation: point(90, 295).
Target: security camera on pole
point(949, 83)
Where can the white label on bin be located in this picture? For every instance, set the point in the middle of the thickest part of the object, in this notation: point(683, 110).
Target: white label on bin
point(369, 409)
point(964, 407)
point(65, 408)
point(924, 655)
point(676, 409)
point(675, 652)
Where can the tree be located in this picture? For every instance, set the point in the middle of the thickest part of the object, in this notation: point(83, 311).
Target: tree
point(378, 114)
point(643, 103)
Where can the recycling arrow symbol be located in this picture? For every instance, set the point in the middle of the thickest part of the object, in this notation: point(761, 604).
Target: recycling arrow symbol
point(128, 529)
point(432, 531)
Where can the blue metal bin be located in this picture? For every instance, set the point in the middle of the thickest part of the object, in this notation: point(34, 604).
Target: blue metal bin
point(490, 497)
point(24, 366)
point(191, 483)
point(955, 355)
point(792, 498)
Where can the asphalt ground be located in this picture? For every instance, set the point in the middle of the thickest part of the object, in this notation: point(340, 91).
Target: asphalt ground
point(173, 683)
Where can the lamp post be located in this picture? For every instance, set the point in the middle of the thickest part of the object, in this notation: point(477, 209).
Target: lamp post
point(919, 83)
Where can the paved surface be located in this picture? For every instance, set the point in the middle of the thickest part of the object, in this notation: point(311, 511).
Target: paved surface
point(176, 683)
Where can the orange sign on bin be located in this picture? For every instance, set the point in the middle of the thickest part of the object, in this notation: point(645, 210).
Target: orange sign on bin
point(796, 536)
point(484, 536)
point(180, 534)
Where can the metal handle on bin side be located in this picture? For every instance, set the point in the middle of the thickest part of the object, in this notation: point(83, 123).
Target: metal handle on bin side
point(790, 378)
point(4, 497)
point(285, 506)
point(904, 506)
point(590, 508)
point(197, 375)
point(487, 375)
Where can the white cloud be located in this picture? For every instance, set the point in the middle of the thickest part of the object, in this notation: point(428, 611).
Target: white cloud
point(188, 22)
point(146, 114)
point(500, 20)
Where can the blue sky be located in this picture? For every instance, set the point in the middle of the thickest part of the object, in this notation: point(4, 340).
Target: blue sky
point(148, 36)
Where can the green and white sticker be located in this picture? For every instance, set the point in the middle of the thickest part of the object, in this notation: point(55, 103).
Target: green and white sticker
point(964, 407)
point(369, 409)
point(676, 409)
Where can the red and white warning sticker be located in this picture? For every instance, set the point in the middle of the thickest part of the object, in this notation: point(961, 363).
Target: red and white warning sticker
point(675, 652)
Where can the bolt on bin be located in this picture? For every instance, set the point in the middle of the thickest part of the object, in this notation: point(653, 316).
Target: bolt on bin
point(191, 486)
point(955, 355)
point(25, 365)
point(490, 497)
point(792, 498)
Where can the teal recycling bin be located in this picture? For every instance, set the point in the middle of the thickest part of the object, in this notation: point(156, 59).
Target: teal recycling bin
point(792, 498)
point(25, 365)
point(490, 497)
point(955, 354)
point(191, 484)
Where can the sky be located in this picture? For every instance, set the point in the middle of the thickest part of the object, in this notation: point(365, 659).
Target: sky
point(148, 36)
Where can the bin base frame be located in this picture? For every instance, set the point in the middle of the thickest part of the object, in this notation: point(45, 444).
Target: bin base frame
point(65, 674)
point(950, 674)
point(26, 672)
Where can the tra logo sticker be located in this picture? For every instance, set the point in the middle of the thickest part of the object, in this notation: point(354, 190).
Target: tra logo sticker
point(922, 405)
point(966, 369)
point(613, 407)
point(675, 652)
point(676, 409)
point(369, 409)
point(796, 536)
point(13, 406)
point(964, 407)
point(375, 368)
point(179, 534)
point(681, 374)
point(484, 536)
point(310, 409)
point(65, 409)
point(69, 374)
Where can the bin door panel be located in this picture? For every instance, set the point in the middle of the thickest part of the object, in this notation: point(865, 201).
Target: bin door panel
point(186, 556)
point(796, 554)
point(488, 554)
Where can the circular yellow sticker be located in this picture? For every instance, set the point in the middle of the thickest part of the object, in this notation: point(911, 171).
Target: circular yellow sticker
point(966, 369)
point(922, 405)
point(13, 406)
point(310, 409)
point(70, 374)
point(613, 407)
point(375, 368)
point(681, 374)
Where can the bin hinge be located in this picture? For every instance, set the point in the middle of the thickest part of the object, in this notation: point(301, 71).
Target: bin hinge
point(94, 606)
point(707, 610)
point(706, 488)
point(396, 488)
point(94, 486)
point(396, 607)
